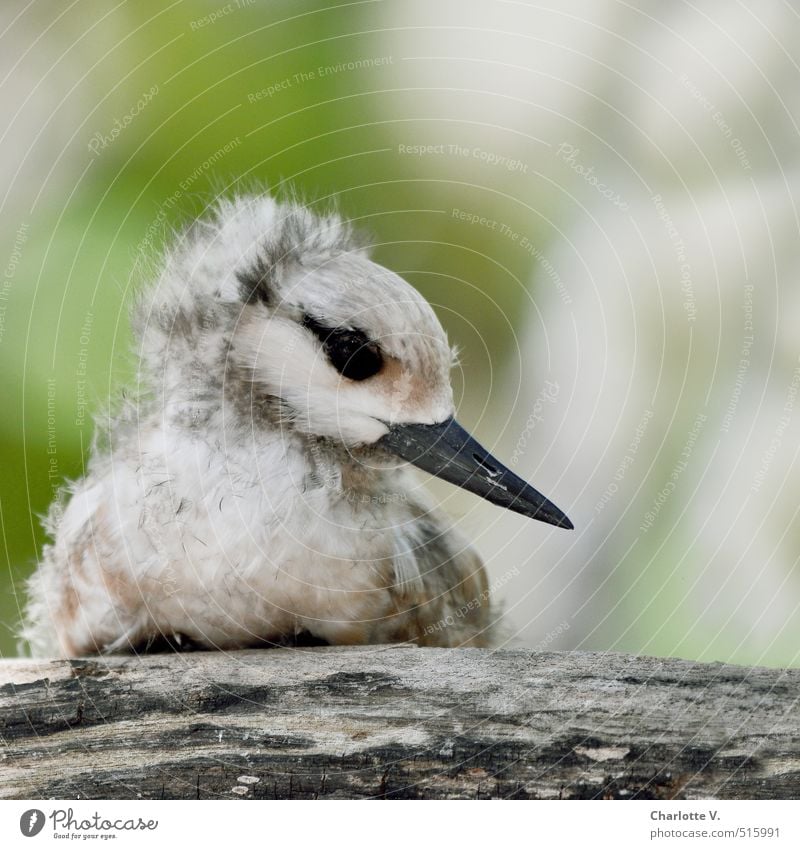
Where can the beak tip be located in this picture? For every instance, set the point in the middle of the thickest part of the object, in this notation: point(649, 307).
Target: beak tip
point(554, 517)
point(449, 452)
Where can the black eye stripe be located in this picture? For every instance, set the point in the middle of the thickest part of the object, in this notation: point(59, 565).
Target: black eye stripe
point(351, 352)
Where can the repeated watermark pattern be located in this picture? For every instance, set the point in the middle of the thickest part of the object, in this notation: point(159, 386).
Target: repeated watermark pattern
point(719, 119)
point(81, 370)
point(744, 359)
point(627, 461)
point(776, 441)
point(479, 154)
point(52, 446)
point(10, 271)
point(473, 604)
point(219, 14)
point(522, 241)
point(321, 71)
point(156, 226)
point(684, 267)
point(677, 470)
point(551, 636)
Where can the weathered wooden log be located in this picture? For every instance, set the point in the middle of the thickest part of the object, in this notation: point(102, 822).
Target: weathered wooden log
point(396, 722)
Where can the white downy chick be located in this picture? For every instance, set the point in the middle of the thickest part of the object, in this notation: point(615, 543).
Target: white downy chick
point(256, 492)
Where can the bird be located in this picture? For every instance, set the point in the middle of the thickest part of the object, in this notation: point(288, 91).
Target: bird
point(254, 487)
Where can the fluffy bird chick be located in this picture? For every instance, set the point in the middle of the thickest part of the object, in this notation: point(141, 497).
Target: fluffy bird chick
point(257, 491)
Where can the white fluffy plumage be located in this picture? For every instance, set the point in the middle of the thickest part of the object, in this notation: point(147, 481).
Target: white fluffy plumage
point(241, 498)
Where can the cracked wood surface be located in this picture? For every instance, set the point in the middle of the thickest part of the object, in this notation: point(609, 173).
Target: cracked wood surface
point(396, 722)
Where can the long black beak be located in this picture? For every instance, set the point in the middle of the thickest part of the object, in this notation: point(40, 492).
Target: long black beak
point(449, 452)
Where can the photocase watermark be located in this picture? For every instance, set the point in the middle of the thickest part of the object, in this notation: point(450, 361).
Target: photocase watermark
point(100, 141)
point(522, 241)
point(32, 822)
point(218, 14)
point(10, 271)
point(780, 429)
point(487, 157)
point(719, 119)
point(473, 604)
point(627, 461)
point(547, 395)
point(684, 267)
point(65, 824)
point(361, 497)
point(569, 154)
point(320, 72)
point(677, 470)
point(744, 359)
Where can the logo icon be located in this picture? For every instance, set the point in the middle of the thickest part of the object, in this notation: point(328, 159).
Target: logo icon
point(31, 822)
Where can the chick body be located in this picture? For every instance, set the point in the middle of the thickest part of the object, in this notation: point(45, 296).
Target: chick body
point(242, 497)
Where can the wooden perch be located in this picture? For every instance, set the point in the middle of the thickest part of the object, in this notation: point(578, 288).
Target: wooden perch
point(396, 722)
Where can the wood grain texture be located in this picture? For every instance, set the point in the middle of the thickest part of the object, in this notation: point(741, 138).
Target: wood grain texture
point(396, 722)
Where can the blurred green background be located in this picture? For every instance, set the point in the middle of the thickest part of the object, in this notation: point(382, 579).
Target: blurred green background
point(126, 119)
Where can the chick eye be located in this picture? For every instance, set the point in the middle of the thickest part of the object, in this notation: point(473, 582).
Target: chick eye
point(350, 352)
